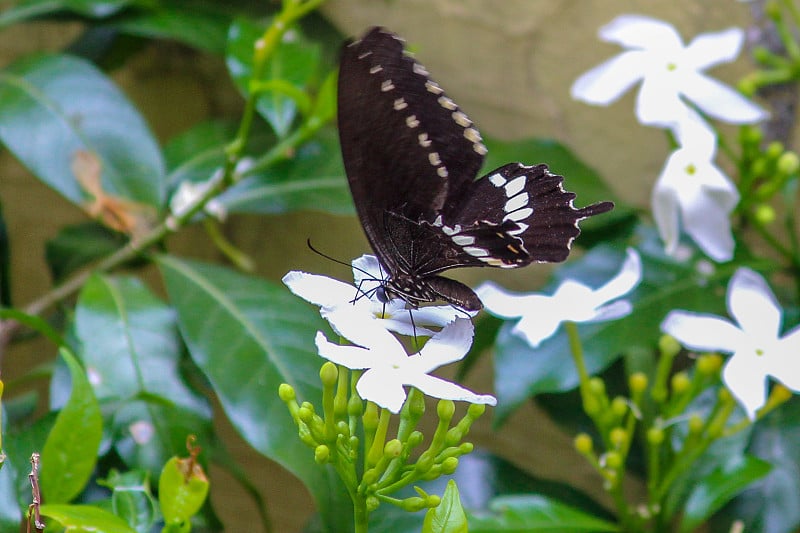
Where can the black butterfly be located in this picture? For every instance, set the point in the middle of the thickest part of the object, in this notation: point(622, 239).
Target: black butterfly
point(411, 157)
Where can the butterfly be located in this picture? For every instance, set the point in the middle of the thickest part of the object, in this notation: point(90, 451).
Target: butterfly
point(411, 157)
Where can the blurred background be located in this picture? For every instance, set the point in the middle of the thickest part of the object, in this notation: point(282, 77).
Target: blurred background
point(508, 64)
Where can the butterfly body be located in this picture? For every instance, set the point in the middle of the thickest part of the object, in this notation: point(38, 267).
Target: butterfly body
point(411, 157)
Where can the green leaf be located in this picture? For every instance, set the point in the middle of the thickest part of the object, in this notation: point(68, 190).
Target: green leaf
point(77, 246)
point(521, 371)
point(449, 516)
point(70, 452)
point(85, 519)
point(67, 105)
point(533, 513)
point(248, 336)
point(716, 489)
point(312, 179)
point(131, 343)
point(5, 263)
point(28, 9)
point(198, 24)
point(131, 498)
point(293, 66)
point(770, 504)
point(181, 492)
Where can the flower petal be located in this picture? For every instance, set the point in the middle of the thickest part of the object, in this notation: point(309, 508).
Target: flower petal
point(440, 388)
point(612, 311)
point(747, 381)
point(710, 49)
point(703, 333)
point(707, 222)
point(319, 290)
point(628, 277)
point(381, 386)
point(666, 210)
point(754, 306)
point(449, 345)
point(720, 101)
point(364, 330)
point(352, 357)
point(658, 102)
point(639, 31)
point(608, 81)
point(368, 274)
point(785, 365)
point(501, 302)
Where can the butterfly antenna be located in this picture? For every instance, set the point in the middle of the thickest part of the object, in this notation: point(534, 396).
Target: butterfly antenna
point(369, 277)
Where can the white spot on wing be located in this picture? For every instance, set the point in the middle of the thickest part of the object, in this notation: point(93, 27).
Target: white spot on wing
point(447, 103)
point(462, 119)
point(433, 87)
point(472, 135)
point(517, 202)
point(375, 69)
point(424, 141)
point(387, 86)
point(419, 69)
point(519, 214)
point(515, 186)
point(365, 54)
point(433, 157)
point(480, 148)
point(400, 104)
point(442, 172)
point(411, 121)
point(521, 229)
point(497, 180)
point(476, 252)
point(463, 240)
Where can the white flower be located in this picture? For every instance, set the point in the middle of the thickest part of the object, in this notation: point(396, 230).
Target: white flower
point(692, 190)
point(333, 296)
point(754, 340)
point(389, 368)
point(572, 301)
point(669, 71)
point(189, 192)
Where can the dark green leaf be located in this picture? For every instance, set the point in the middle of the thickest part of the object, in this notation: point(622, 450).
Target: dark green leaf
point(770, 504)
point(248, 336)
point(131, 498)
point(533, 513)
point(294, 63)
point(70, 452)
point(312, 179)
point(521, 371)
point(716, 489)
point(449, 516)
point(77, 246)
point(67, 105)
point(85, 518)
point(131, 344)
point(28, 9)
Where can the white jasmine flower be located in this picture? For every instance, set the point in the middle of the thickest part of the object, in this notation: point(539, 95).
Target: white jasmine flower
point(572, 301)
point(189, 192)
point(333, 296)
point(693, 191)
point(754, 340)
point(670, 73)
point(389, 368)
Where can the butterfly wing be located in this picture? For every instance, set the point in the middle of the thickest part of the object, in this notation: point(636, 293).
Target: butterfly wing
point(406, 146)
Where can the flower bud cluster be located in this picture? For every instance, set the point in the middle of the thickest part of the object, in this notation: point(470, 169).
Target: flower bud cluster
point(372, 464)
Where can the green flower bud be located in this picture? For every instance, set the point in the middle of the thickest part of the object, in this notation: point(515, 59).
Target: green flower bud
point(355, 406)
point(668, 346)
point(655, 436)
point(449, 465)
point(286, 392)
point(637, 382)
point(750, 135)
point(597, 386)
point(393, 448)
point(696, 424)
point(583, 443)
point(613, 460)
point(370, 477)
point(445, 409)
point(415, 439)
point(413, 504)
point(475, 410)
point(343, 428)
point(788, 163)
point(454, 436)
point(774, 150)
point(709, 365)
point(372, 503)
point(321, 454)
point(764, 214)
point(466, 447)
point(680, 383)
point(619, 406)
point(424, 462)
point(305, 414)
point(618, 437)
point(371, 417)
point(432, 501)
point(328, 374)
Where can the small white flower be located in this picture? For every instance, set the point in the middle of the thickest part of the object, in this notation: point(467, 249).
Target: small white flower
point(389, 368)
point(693, 191)
point(189, 192)
point(572, 301)
point(669, 72)
point(754, 340)
point(333, 296)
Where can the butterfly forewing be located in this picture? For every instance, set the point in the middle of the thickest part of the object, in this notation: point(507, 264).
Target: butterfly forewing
point(411, 157)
